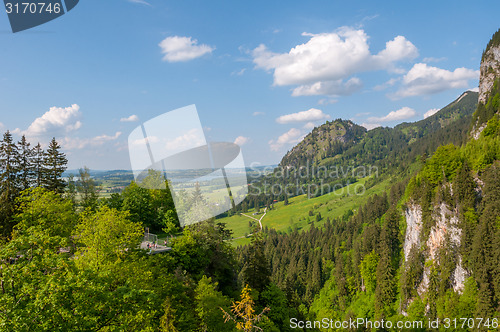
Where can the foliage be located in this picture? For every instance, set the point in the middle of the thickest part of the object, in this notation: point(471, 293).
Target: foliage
point(244, 312)
point(105, 236)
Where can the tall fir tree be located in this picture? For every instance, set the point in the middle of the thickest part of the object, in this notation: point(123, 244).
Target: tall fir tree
point(54, 165)
point(25, 163)
point(9, 184)
point(256, 271)
point(38, 156)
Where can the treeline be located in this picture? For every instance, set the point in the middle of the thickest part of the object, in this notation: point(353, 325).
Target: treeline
point(379, 151)
point(23, 167)
point(355, 266)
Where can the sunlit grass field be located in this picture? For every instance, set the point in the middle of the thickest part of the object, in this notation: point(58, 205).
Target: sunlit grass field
point(295, 215)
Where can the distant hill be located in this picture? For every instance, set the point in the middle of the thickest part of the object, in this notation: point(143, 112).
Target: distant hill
point(327, 140)
point(343, 142)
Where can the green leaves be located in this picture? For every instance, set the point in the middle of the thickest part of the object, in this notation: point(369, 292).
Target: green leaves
point(105, 236)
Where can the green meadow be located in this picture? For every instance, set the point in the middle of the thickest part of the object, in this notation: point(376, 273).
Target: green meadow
point(301, 212)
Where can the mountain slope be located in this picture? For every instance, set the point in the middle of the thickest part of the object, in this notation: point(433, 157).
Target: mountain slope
point(341, 142)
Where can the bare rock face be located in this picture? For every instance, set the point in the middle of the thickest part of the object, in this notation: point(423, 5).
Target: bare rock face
point(490, 69)
point(446, 231)
point(413, 216)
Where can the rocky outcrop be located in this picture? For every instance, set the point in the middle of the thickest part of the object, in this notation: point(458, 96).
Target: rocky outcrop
point(490, 69)
point(413, 216)
point(489, 72)
point(446, 231)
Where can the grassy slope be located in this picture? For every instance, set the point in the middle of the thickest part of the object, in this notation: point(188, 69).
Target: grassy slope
point(296, 213)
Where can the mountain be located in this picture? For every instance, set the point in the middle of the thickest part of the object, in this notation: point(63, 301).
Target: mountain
point(489, 89)
point(425, 246)
point(325, 141)
point(342, 142)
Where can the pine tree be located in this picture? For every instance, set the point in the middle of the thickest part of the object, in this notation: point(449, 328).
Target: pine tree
point(38, 156)
point(54, 165)
point(256, 271)
point(464, 188)
point(25, 162)
point(9, 184)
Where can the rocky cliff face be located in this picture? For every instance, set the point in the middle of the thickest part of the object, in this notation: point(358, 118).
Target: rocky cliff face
point(489, 72)
point(445, 231)
point(490, 69)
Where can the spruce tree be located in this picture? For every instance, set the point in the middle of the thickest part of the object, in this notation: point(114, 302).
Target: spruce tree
point(54, 165)
point(38, 156)
point(9, 184)
point(25, 163)
point(256, 271)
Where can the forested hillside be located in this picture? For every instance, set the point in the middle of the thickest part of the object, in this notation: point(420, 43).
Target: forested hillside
point(425, 247)
point(429, 249)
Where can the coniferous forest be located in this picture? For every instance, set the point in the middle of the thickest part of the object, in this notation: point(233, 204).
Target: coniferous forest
point(426, 248)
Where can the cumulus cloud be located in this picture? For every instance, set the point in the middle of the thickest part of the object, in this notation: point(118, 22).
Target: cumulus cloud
point(424, 80)
point(330, 88)
point(476, 89)
point(385, 85)
point(76, 143)
point(1, 125)
point(309, 126)
point(132, 118)
point(239, 72)
point(401, 114)
point(177, 49)
point(146, 140)
point(292, 136)
point(430, 112)
point(191, 138)
point(241, 140)
point(312, 114)
point(258, 113)
point(329, 59)
point(56, 121)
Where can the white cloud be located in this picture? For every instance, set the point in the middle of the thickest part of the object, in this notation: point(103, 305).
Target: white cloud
point(146, 140)
point(241, 140)
point(401, 114)
point(385, 85)
point(141, 2)
point(292, 136)
point(105, 138)
point(132, 118)
point(423, 80)
point(329, 88)
point(191, 138)
point(476, 89)
point(370, 126)
point(331, 58)
point(258, 113)
point(76, 143)
point(178, 49)
point(1, 125)
point(239, 72)
point(55, 121)
point(309, 126)
point(430, 112)
point(312, 114)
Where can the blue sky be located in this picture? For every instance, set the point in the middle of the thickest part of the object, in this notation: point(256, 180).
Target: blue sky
point(261, 73)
